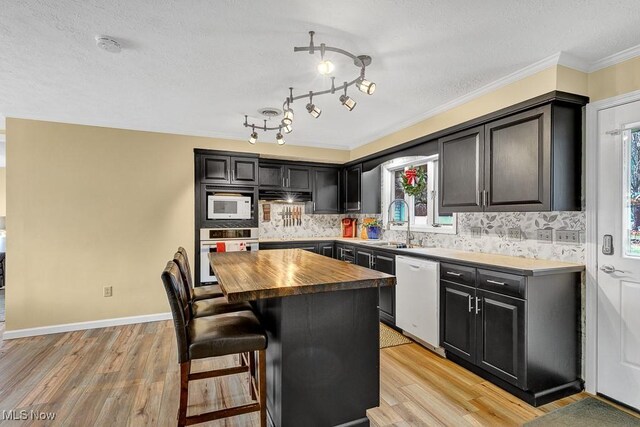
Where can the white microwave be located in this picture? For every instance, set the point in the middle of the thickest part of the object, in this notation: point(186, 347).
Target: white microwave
point(228, 207)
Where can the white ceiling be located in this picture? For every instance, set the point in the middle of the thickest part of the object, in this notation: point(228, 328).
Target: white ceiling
point(195, 67)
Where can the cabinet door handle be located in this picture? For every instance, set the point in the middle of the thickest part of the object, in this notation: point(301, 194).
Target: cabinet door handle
point(485, 198)
point(470, 307)
point(358, 205)
point(495, 282)
point(451, 273)
point(481, 198)
point(478, 305)
point(314, 206)
point(283, 182)
point(233, 174)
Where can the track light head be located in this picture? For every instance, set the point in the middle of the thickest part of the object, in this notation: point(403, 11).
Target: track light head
point(326, 67)
point(366, 86)
point(253, 138)
point(288, 116)
point(314, 110)
point(287, 128)
point(279, 138)
point(348, 103)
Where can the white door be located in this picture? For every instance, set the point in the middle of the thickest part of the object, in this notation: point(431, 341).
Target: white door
point(619, 272)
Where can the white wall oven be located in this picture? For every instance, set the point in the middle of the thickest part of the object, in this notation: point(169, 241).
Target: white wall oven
point(228, 206)
point(215, 240)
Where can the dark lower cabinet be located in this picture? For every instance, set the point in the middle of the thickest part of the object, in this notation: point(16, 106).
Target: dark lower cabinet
point(326, 249)
point(386, 263)
point(519, 332)
point(322, 248)
point(500, 336)
point(458, 325)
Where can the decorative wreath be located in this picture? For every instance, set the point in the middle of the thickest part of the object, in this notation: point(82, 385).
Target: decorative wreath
point(414, 181)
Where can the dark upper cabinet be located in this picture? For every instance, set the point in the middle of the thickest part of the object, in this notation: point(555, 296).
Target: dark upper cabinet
point(371, 183)
point(500, 341)
point(297, 178)
point(283, 176)
point(326, 190)
point(386, 263)
point(215, 169)
point(461, 171)
point(219, 169)
point(361, 190)
point(458, 325)
point(271, 175)
point(244, 171)
point(517, 161)
point(352, 189)
point(530, 161)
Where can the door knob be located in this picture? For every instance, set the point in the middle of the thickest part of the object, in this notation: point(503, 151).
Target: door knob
point(608, 268)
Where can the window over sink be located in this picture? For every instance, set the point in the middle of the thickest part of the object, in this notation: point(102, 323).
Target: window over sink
point(423, 208)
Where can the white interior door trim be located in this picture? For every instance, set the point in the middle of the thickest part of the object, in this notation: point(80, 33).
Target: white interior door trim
point(591, 259)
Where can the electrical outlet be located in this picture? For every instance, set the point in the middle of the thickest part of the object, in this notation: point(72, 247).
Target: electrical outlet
point(476, 232)
point(107, 291)
point(545, 235)
point(568, 236)
point(514, 234)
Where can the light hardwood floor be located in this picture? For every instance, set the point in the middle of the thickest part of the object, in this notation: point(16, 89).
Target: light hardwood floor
point(128, 375)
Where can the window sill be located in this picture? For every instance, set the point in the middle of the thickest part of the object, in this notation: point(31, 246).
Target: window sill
point(423, 229)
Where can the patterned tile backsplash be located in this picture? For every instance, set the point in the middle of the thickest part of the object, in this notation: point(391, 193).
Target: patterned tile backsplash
point(493, 228)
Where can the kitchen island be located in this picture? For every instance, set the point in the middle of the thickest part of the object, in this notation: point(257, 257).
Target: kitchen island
point(322, 323)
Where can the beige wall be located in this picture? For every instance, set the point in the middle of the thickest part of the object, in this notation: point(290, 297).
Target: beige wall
point(3, 191)
point(615, 80)
point(91, 207)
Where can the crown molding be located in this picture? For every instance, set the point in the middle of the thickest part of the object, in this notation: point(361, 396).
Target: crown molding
point(561, 58)
point(520, 74)
point(614, 59)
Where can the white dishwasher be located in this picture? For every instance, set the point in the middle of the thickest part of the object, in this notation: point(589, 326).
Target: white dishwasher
point(418, 299)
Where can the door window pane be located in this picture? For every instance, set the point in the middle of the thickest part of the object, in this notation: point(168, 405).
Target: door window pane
point(632, 193)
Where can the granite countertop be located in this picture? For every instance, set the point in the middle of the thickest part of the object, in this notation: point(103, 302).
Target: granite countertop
point(247, 276)
point(518, 265)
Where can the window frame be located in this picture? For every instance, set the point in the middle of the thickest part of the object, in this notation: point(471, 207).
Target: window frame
point(388, 189)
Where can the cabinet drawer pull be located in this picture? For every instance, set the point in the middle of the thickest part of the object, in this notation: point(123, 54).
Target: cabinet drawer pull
point(451, 273)
point(496, 282)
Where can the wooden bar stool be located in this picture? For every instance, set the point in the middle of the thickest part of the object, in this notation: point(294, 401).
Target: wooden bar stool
point(214, 336)
point(200, 292)
point(209, 306)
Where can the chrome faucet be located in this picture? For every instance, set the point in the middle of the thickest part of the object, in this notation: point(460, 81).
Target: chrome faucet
point(408, 221)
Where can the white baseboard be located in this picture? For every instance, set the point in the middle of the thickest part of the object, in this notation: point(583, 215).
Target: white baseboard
point(80, 326)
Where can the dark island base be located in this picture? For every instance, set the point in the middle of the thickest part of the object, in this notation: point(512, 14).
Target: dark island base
point(323, 357)
point(536, 399)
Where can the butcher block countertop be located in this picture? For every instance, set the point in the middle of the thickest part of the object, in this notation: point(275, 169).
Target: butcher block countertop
point(247, 276)
point(513, 264)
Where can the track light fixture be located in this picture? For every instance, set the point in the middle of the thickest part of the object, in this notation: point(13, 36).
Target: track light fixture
point(325, 67)
point(279, 137)
point(311, 107)
point(288, 113)
point(346, 100)
point(253, 138)
point(366, 86)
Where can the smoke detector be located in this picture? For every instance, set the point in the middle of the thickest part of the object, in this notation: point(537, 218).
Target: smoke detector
point(109, 44)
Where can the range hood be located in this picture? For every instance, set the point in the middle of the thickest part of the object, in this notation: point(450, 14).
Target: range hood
point(285, 196)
